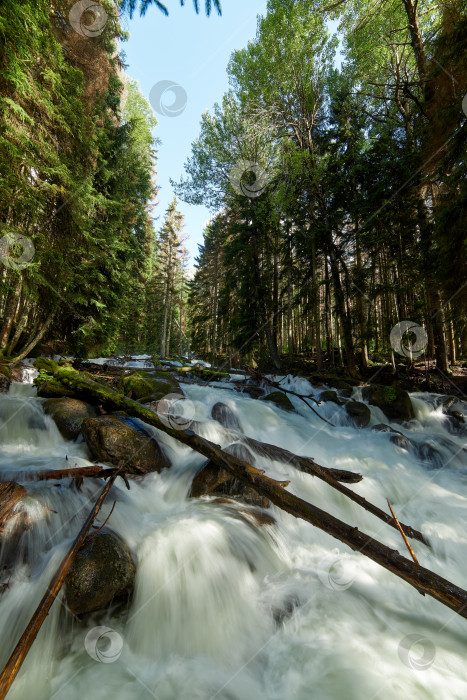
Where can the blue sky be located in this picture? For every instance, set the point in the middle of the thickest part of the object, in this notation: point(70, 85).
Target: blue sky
point(192, 51)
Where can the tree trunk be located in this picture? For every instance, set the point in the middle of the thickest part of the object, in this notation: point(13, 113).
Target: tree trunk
point(344, 317)
point(37, 338)
point(9, 313)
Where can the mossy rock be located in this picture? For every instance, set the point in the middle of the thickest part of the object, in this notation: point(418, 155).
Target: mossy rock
point(144, 384)
point(359, 413)
point(329, 395)
point(116, 439)
point(103, 570)
point(392, 400)
point(280, 399)
point(68, 415)
point(49, 388)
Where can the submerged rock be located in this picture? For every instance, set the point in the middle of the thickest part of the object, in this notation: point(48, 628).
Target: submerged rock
point(280, 399)
point(115, 439)
point(103, 570)
point(211, 480)
point(225, 416)
point(393, 401)
point(68, 415)
point(428, 452)
point(359, 413)
point(396, 437)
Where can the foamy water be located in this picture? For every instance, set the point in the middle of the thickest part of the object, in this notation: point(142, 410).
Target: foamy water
point(223, 609)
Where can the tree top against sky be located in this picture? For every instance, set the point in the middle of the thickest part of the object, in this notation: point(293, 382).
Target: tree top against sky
point(131, 5)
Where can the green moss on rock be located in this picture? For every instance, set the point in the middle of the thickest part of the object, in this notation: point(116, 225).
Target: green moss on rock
point(280, 399)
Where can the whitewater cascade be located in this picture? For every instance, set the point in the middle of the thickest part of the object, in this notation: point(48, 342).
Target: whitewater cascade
point(228, 610)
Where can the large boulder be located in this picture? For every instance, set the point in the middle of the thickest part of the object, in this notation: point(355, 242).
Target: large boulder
point(359, 413)
point(329, 395)
point(224, 415)
point(156, 385)
point(115, 439)
point(68, 415)
point(280, 399)
point(103, 570)
point(393, 401)
point(213, 481)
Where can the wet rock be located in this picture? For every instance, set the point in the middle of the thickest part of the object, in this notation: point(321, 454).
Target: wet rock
point(149, 385)
point(257, 517)
point(68, 415)
point(115, 439)
point(17, 373)
point(37, 422)
point(103, 570)
point(287, 609)
point(254, 391)
point(359, 413)
point(329, 395)
point(393, 401)
point(342, 386)
point(428, 452)
point(225, 416)
point(211, 480)
point(280, 399)
point(253, 516)
point(396, 437)
point(4, 384)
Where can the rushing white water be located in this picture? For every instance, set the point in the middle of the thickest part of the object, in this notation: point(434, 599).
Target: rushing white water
point(223, 609)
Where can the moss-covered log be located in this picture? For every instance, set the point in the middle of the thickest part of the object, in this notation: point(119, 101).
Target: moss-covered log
point(424, 580)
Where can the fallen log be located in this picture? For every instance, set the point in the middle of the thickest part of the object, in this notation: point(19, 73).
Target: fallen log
point(18, 656)
point(423, 580)
point(11, 494)
point(304, 464)
point(308, 465)
point(92, 472)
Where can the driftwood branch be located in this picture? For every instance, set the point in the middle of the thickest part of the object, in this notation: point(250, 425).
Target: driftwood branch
point(92, 472)
point(423, 580)
point(257, 376)
point(18, 656)
point(401, 530)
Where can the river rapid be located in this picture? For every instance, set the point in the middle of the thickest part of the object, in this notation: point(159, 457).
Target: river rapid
point(226, 610)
